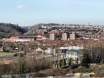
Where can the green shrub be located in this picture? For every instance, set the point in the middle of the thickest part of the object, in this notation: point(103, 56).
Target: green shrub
point(82, 69)
point(0, 76)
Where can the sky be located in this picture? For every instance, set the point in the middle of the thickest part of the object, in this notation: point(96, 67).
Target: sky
point(31, 12)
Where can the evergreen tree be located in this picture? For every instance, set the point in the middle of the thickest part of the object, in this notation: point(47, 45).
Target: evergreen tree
point(86, 58)
point(70, 61)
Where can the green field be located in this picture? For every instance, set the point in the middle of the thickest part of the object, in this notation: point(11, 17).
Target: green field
point(6, 54)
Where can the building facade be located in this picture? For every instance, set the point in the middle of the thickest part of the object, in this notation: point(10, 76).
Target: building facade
point(72, 36)
point(64, 36)
point(52, 36)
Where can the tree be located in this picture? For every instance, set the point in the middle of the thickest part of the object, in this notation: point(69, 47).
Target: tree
point(70, 61)
point(63, 62)
point(86, 58)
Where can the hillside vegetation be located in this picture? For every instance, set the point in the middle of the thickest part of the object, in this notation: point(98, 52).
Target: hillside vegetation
point(8, 29)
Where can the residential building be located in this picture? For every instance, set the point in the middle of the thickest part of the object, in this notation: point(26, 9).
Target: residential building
point(52, 36)
point(64, 36)
point(72, 36)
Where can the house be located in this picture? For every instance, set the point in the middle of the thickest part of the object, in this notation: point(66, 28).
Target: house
point(71, 51)
point(40, 38)
point(6, 62)
point(18, 39)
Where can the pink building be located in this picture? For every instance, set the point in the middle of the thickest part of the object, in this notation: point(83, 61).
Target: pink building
point(17, 39)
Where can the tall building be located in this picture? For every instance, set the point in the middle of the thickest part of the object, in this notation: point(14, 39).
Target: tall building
point(72, 36)
point(64, 36)
point(52, 36)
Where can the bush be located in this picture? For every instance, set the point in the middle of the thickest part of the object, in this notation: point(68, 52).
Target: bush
point(82, 69)
point(99, 71)
point(24, 65)
point(56, 72)
point(5, 69)
point(39, 75)
point(70, 61)
point(0, 76)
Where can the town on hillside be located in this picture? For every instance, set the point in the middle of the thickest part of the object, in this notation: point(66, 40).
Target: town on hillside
point(54, 50)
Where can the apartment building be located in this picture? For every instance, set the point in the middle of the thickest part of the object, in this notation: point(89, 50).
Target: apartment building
point(64, 36)
point(52, 36)
point(72, 36)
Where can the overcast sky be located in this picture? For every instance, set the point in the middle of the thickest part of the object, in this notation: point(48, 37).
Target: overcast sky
point(30, 12)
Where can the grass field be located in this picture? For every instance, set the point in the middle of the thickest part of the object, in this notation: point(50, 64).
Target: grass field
point(6, 54)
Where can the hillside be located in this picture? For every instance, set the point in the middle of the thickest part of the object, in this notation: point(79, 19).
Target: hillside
point(8, 29)
point(32, 29)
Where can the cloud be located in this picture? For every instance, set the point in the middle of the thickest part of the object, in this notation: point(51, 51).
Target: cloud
point(21, 7)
